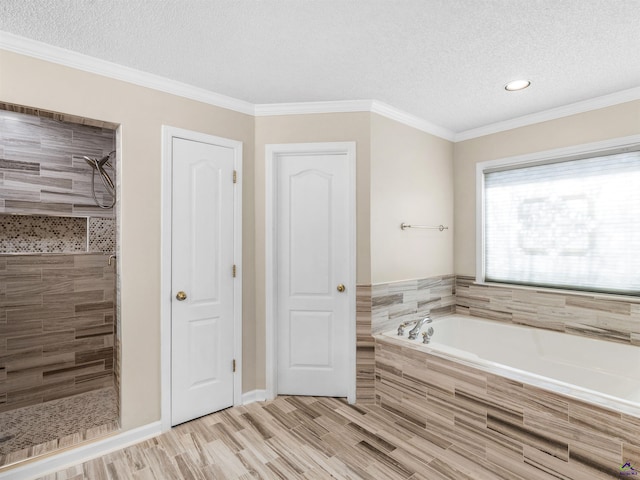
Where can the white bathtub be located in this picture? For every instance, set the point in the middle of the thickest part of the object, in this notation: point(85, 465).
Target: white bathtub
point(600, 372)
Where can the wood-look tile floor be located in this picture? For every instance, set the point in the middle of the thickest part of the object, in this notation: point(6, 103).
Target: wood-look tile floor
point(291, 438)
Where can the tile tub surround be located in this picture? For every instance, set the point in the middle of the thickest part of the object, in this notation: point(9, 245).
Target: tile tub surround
point(606, 318)
point(41, 166)
point(511, 429)
point(396, 302)
point(365, 352)
point(56, 327)
point(384, 306)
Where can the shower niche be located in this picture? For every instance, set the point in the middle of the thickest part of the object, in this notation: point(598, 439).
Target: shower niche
point(59, 302)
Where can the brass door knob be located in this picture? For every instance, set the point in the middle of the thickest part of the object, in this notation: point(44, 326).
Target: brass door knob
point(181, 296)
point(341, 288)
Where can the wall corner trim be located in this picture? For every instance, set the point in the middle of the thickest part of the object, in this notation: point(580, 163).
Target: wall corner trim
point(254, 396)
point(82, 453)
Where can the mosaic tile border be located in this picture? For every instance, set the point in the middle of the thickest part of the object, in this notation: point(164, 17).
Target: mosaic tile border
point(26, 234)
point(42, 234)
point(102, 235)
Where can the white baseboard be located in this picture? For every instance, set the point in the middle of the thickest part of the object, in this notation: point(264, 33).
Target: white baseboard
point(83, 453)
point(254, 396)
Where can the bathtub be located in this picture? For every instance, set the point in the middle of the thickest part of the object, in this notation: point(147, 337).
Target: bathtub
point(603, 373)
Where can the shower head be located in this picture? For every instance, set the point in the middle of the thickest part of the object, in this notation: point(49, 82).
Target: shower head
point(98, 166)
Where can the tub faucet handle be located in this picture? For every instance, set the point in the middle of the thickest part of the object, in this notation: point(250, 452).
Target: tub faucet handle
point(426, 336)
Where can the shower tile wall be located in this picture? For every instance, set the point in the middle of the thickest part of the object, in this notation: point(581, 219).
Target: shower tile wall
point(614, 319)
point(56, 327)
point(41, 166)
point(57, 311)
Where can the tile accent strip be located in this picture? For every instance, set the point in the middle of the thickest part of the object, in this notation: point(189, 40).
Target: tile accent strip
point(41, 234)
point(612, 319)
point(508, 427)
point(102, 235)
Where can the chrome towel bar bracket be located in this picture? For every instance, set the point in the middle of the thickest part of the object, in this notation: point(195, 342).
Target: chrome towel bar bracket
point(404, 226)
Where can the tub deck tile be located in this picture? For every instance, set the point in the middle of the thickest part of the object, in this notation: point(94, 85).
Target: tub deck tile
point(517, 427)
point(540, 439)
point(545, 402)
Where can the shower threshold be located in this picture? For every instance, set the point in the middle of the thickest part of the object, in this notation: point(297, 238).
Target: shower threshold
point(38, 429)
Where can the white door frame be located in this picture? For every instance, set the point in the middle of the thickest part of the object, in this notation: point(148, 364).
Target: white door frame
point(168, 133)
point(272, 153)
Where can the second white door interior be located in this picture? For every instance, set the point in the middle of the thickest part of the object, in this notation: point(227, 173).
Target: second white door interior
point(314, 289)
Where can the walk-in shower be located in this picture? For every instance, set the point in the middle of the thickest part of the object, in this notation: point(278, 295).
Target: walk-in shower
point(59, 325)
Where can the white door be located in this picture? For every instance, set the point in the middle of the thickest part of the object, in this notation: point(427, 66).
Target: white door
point(202, 312)
point(313, 285)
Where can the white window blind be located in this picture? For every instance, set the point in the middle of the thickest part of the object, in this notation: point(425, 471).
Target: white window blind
point(572, 224)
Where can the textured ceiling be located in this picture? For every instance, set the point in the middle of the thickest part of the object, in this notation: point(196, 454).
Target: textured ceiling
point(445, 61)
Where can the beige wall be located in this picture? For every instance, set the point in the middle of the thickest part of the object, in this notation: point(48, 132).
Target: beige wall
point(411, 182)
point(141, 112)
point(333, 127)
point(597, 125)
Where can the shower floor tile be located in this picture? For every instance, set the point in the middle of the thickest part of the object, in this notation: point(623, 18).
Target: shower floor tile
point(37, 429)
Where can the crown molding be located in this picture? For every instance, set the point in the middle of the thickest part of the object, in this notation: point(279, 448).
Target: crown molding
point(411, 120)
point(32, 48)
point(344, 106)
point(552, 114)
point(79, 61)
point(302, 108)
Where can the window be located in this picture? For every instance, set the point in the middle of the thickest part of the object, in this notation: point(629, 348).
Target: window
point(571, 223)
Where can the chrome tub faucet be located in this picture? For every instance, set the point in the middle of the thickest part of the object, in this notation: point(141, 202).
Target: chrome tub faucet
point(413, 333)
point(404, 325)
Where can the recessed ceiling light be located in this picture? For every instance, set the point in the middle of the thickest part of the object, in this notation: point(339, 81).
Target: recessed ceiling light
point(517, 85)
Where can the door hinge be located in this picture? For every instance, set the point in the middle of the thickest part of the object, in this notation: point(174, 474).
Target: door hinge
point(235, 177)
point(234, 271)
point(234, 365)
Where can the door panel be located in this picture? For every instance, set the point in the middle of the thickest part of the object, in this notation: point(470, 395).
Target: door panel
point(312, 332)
point(202, 260)
point(312, 259)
